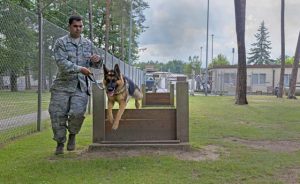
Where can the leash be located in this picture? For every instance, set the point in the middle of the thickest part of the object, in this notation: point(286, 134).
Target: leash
point(91, 77)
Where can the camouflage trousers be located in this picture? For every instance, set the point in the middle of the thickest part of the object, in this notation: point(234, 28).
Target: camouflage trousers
point(67, 113)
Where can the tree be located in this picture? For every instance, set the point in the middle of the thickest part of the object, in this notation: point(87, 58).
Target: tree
point(282, 70)
point(288, 60)
point(18, 46)
point(260, 53)
point(193, 64)
point(59, 11)
point(220, 60)
point(293, 79)
point(107, 25)
point(241, 87)
point(175, 66)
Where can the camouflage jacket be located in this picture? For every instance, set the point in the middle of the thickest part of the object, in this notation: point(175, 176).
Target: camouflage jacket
point(69, 58)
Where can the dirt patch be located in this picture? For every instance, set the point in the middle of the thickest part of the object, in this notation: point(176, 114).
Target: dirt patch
point(209, 152)
point(261, 100)
point(274, 146)
point(290, 175)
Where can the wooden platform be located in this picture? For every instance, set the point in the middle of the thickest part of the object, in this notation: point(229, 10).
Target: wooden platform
point(147, 128)
point(151, 99)
point(143, 124)
point(104, 146)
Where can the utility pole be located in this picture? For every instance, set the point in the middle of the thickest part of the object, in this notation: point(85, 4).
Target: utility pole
point(200, 60)
point(232, 56)
point(206, 62)
point(201, 53)
point(212, 47)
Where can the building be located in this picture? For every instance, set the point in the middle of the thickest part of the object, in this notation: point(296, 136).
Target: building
point(163, 79)
point(261, 79)
point(150, 68)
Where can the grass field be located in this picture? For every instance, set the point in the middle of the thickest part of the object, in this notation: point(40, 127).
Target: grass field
point(20, 103)
point(242, 138)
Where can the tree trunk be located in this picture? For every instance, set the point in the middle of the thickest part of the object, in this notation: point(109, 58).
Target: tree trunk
point(13, 81)
point(241, 87)
point(107, 15)
point(122, 36)
point(44, 81)
point(293, 80)
point(113, 45)
point(281, 80)
point(1, 83)
point(101, 38)
point(27, 78)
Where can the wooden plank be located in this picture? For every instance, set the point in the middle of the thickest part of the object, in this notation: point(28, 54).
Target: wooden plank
point(172, 94)
point(98, 114)
point(119, 147)
point(181, 79)
point(161, 114)
point(153, 124)
point(157, 99)
point(143, 142)
point(182, 111)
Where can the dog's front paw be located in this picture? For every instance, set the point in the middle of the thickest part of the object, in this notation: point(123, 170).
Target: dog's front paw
point(115, 125)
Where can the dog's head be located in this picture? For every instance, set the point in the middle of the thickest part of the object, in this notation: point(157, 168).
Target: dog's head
point(112, 79)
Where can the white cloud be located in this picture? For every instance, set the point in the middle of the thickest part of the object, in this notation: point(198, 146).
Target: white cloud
point(177, 29)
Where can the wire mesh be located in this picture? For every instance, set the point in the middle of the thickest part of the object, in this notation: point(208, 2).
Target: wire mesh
point(19, 68)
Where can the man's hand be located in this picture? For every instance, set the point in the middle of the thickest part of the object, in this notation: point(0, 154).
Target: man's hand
point(95, 58)
point(85, 71)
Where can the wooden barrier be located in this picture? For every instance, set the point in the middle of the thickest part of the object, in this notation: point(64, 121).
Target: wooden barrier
point(158, 128)
point(158, 99)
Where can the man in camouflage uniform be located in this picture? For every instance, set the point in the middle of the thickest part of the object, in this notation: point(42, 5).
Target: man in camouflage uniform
point(69, 92)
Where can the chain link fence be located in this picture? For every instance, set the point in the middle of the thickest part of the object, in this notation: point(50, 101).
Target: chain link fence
point(19, 68)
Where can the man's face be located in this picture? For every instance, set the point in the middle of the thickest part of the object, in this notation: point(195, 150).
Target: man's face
point(76, 29)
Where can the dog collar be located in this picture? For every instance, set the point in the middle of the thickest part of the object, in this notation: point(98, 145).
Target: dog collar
point(120, 91)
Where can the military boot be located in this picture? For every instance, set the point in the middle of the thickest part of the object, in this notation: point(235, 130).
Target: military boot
point(71, 142)
point(59, 149)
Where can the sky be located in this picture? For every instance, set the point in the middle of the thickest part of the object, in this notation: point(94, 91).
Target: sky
point(177, 28)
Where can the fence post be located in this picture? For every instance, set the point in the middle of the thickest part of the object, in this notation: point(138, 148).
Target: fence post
point(98, 114)
point(40, 22)
point(182, 111)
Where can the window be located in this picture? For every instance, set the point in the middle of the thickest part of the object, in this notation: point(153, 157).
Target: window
point(229, 78)
point(259, 78)
point(287, 78)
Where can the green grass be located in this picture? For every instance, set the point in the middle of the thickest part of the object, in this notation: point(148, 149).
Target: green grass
point(212, 119)
point(13, 133)
point(20, 103)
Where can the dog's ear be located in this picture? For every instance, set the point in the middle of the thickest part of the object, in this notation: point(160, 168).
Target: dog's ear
point(105, 69)
point(117, 70)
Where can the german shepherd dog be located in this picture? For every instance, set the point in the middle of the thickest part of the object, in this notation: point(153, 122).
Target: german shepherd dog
point(119, 89)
